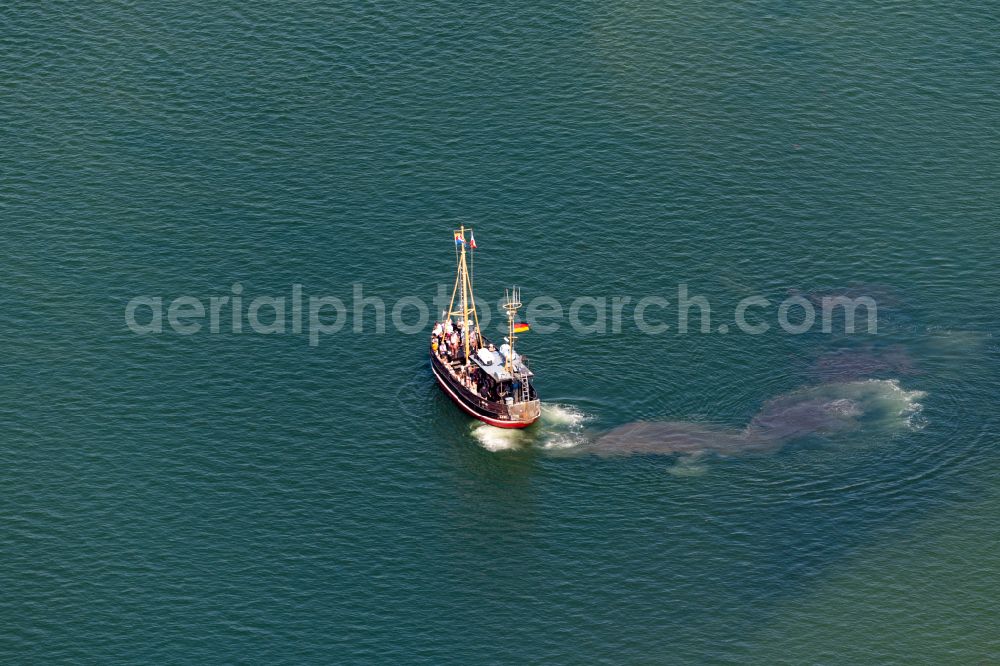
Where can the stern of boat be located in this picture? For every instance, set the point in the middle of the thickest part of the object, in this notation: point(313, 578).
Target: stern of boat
point(527, 412)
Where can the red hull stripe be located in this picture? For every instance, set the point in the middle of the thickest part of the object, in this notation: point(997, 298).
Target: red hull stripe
point(470, 412)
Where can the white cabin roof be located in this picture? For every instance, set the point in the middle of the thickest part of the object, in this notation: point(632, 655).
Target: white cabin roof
point(492, 363)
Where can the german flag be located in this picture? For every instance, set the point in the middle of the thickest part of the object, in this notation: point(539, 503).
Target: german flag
point(521, 327)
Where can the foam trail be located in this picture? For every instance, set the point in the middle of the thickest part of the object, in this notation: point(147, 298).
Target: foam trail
point(497, 439)
point(562, 414)
point(560, 427)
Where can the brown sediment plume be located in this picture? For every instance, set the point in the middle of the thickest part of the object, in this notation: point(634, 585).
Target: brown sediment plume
point(865, 361)
point(675, 437)
point(824, 409)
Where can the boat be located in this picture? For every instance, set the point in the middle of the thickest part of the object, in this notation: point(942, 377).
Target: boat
point(489, 382)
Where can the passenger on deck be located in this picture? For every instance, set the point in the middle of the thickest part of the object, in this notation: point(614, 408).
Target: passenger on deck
point(438, 330)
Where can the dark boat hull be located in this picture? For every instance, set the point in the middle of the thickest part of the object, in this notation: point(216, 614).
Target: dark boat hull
point(492, 413)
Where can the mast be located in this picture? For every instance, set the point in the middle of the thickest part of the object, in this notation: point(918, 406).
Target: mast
point(466, 298)
point(511, 304)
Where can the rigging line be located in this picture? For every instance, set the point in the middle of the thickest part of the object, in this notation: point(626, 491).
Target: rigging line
point(472, 281)
point(454, 291)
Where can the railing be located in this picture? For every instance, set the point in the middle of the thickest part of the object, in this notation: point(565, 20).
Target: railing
point(495, 409)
